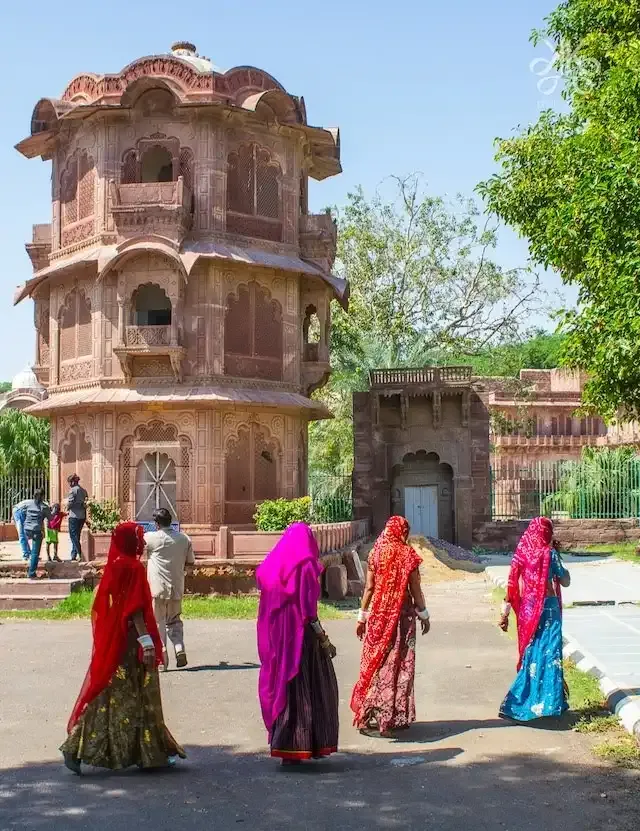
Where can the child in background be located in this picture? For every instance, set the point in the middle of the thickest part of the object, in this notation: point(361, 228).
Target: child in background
point(53, 530)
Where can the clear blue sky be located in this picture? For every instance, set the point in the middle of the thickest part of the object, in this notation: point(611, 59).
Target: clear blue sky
point(414, 85)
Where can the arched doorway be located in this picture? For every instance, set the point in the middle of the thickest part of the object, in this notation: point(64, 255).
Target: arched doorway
point(422, 491)
point(156, 486)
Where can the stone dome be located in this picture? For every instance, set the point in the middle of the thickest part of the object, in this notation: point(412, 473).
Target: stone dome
point(26, 380)
point(187, 52)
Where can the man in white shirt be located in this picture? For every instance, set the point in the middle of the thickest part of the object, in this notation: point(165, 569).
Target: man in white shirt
point(168, 554)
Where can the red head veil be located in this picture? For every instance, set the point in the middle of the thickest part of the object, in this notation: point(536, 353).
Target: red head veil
point(123, 591)
point(392, 561)
point(528, 579)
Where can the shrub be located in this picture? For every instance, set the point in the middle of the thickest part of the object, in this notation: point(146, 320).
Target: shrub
point(279, 514)
point(103, 515)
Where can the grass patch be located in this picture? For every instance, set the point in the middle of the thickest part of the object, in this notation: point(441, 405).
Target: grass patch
point(195, 607)
point(623, 750)
point(620, 550)
point(77, 605)
point(588, 703)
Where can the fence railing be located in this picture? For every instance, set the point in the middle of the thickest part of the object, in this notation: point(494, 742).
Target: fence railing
point(18, 486)
point(331, 497)
point(604, 489)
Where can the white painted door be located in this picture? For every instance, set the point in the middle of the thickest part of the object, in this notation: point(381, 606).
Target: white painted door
point(421, 510)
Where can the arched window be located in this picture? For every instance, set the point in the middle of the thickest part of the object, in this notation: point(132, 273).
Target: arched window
point(156, 165)
point(151, 306)
point(253, 193)
point(77, 196)
point(311, 334)
point(253, 334)
point(75, 327)
point(251, 474)
point(129, 171)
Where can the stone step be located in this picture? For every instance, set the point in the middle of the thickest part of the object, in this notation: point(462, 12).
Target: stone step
point(57, 589)
point(25, 602)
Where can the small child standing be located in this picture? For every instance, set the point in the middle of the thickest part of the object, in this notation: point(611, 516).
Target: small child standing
point(53, 529)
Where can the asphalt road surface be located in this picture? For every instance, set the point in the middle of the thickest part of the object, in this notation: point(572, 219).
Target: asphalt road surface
point(460, 768)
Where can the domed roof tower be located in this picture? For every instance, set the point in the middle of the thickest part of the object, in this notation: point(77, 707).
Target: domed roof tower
point(182, 289)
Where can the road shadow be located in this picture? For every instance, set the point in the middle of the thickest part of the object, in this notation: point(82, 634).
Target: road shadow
point(222, 788)
point(223, 666)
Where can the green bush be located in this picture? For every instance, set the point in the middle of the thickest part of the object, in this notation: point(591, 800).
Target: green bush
point(279, 514)
point(103, 515)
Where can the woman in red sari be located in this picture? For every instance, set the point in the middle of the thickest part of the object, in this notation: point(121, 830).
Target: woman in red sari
point(117, 720)
point(383, 697)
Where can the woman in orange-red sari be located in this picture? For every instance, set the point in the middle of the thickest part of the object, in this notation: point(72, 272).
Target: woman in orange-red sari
point(383, 697)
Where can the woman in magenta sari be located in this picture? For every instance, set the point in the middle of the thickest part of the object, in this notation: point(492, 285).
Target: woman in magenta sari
point(534, 594)
point(298, 687)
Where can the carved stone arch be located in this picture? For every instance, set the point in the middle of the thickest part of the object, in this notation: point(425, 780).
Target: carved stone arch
point(75, 457)
point(253, 460)
point(253, 333)
point(77, 197)
point(75, 333)
point(440, 449)
point(156, 430)
point(254, 192)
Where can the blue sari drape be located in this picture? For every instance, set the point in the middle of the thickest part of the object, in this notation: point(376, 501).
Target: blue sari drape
point(538, 690)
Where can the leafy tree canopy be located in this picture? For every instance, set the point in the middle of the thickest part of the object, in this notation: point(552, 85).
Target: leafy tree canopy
point(24, 442)
point(424, 290)
point(571, 184)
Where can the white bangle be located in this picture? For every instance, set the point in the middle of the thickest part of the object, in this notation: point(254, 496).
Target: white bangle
point(363, 616)
point(146, 641)
point(506, 608)
point(424, 614)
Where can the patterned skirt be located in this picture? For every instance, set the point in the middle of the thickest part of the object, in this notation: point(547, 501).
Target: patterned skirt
point(539, 690)
point(307, 728)
point(124, 725)
point(390, 701)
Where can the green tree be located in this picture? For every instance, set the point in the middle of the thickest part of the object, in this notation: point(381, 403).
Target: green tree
point(5, 386)
point(570, 183)
point(24, 442)
point(424, 290)
point(422, 276)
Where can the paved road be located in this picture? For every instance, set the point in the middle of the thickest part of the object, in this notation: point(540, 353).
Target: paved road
point(459, 769)
point(611, 634)
point(597, 581)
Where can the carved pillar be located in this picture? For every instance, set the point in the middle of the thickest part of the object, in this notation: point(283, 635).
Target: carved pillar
point(437, 409)
point(174, 321)
point(121, 323)
point(466, 408)
point(404, 409)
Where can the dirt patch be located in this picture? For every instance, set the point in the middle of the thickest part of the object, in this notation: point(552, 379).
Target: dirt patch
point(437, 566)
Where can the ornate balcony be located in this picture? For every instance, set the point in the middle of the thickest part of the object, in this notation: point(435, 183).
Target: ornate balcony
point(150, 342)
point(426, 376)
point(164, 208)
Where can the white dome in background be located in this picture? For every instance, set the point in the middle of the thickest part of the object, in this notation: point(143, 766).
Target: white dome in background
point(26, 380)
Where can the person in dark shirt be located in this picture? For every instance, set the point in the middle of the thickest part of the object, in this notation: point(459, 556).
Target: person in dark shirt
point(77, 507)
point(36, 512)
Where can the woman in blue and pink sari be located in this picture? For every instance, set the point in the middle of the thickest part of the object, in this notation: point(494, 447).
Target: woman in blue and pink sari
point(297, 687)
point(534, 594)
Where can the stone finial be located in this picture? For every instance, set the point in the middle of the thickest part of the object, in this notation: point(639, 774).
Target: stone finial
point(183, 46)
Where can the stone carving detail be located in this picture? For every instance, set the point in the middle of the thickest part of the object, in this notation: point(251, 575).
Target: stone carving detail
point(77, 371)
